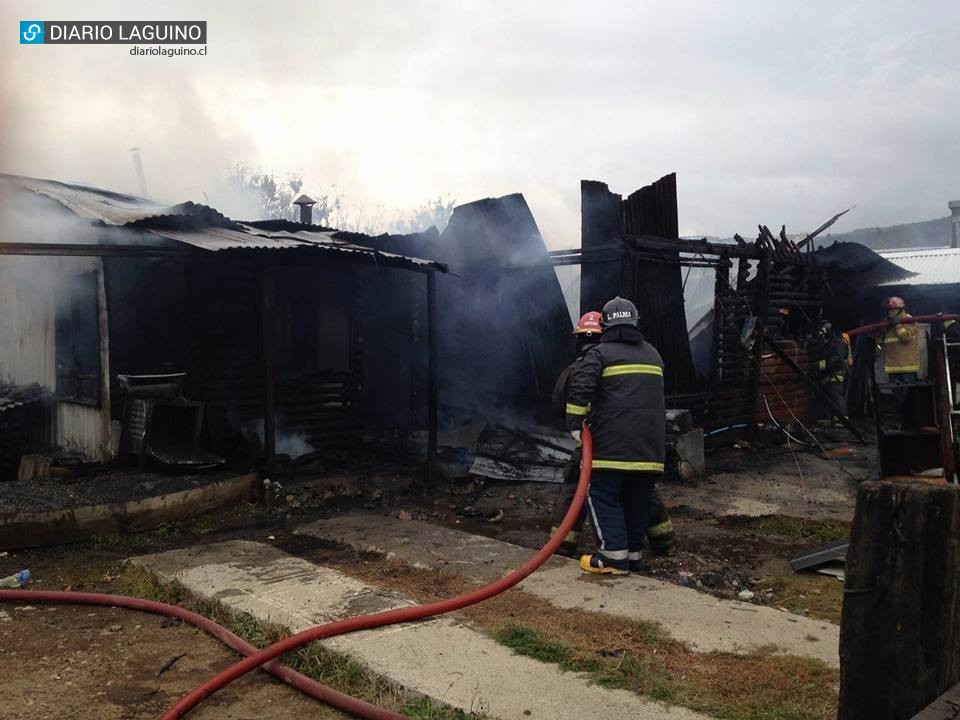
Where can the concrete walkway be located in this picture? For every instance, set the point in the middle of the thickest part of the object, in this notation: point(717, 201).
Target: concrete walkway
point(440, 658)
point(702, 621)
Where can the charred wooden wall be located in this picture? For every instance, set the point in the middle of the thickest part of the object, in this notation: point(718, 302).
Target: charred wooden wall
point(350, 348)
point(317, 349)
point(653, 281)
point(223, 342)
point(600, 228)
point(779, 291)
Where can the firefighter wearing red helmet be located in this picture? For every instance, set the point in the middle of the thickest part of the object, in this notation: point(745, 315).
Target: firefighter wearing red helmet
point(587, 332)
point(659, 526)
point(901, 345)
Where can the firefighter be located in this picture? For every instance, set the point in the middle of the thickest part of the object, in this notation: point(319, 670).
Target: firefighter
point(833, 360)
point(660, 528)
point(587, 334)
point(901, 344)
point(618, 388)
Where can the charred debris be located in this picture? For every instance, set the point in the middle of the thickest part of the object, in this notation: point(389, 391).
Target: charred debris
point(177, 337)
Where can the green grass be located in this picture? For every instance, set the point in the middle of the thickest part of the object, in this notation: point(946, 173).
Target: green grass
point(652, 676)
point(109, 541)
point(423, 708)
point(814, 531)
point(167, 531)
point(527, 641)
point(333, 669)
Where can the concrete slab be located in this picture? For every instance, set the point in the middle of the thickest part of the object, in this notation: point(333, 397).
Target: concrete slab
point(756, 494)
point(703, 622)
point(440, 658)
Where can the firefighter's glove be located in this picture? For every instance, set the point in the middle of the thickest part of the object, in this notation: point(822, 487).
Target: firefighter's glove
point(576, 435)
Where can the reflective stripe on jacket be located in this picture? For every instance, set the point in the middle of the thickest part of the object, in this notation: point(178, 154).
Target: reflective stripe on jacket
point(619, 383)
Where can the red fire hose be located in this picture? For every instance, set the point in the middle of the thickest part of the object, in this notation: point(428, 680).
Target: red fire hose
point(312, 688)
point(255, 659)
point(913, 319)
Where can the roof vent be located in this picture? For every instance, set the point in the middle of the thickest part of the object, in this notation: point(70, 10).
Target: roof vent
point(306, 204)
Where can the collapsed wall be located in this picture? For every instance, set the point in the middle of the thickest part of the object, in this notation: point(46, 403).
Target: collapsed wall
point(655, 287)
point(503, 326)
point(505, 330)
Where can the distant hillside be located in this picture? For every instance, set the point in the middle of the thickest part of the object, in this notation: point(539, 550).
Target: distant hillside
point(928, 233)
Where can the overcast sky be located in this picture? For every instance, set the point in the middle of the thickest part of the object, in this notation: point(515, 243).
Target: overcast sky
point(769, 112)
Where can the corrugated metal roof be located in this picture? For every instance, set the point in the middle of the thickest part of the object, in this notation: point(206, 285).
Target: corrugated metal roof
point(933, 266)
point(200, 226)
point(249, 238)
point(108, 207)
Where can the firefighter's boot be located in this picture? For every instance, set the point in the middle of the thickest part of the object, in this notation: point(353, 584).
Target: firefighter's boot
point(602, 565)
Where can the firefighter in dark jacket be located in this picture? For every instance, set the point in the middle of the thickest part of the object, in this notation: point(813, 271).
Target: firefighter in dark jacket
point(618, 389)
point(833, 361)
point(660, 526)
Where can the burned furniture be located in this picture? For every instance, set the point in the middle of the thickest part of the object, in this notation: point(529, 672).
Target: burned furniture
point(160, 423)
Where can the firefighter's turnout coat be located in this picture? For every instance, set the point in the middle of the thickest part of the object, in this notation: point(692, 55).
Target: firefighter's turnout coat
point(618, 388)
point(901, 348)
point(834, 360)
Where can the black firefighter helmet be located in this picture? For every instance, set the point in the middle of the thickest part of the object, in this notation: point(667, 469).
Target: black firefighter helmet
point(619, 311)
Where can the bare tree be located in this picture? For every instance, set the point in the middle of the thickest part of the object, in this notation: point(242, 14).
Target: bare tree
point(271, 197)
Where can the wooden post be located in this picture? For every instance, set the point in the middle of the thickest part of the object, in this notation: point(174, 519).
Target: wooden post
point(267, 313)
point(432, 375)
point(900, 630)
point(103, 322)
point(760, 310)
point(721, 281)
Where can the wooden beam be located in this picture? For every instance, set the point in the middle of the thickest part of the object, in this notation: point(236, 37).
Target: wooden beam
point(433, 383)
point(103, 321)
point(267, 316)
point(704, 246)
point(763, 302)
point(81, 250)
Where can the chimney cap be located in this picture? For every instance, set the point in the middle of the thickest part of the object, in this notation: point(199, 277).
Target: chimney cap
point(304, 200)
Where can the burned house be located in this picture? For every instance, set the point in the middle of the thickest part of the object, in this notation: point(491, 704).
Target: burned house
point(747, 357)
point(249, 332)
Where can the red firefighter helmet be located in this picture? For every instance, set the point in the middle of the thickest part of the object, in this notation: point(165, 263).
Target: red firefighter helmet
point(894, 302)
point(589, 324)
